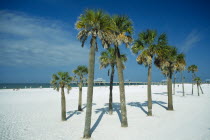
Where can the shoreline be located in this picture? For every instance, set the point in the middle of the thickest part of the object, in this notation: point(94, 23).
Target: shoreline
point(49, 87)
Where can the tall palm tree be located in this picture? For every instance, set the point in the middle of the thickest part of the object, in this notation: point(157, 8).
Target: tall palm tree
point(148, 42)
point(166, 61)
point(193, 69)
point(198, 82)
point(122, 34)
point(60, 81)
point(96, 24)
point(108, 58)
point(80, 72)
point(180, 67)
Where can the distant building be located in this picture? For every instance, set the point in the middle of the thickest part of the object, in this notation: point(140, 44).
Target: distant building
point(207, 81)
point(163, 81)
point(99, 80)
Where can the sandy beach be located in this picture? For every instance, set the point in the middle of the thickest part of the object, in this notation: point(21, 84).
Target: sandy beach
point(34, 114)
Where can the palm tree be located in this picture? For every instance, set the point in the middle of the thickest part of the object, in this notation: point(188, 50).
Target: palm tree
point(148, 43)
point(62, 80)
point(166, 61)
point(180, 67)
point(94, 23)
point(122, 34)
point(198, 82)
point(80, 72)
point(193, 69)
point(108, 58)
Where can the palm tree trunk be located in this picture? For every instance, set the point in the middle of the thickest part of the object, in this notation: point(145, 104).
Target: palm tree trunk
point(198, 89)
point(192, 83)
point(149, 94)
point(87, 133)
point(63, 105)
point(170, 97)
point(110, 94)
point(174, 82)
point(182, 84)
point(124, 122)
point(80, 96)
point(201, 88)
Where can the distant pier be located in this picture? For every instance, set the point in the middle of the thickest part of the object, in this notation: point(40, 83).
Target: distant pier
point(117, 83)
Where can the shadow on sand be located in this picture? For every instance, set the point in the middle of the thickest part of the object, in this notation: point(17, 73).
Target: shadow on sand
point(76, 112)
point(105, 110)
point(162, 93)
point(139, 105)
point(145, 104)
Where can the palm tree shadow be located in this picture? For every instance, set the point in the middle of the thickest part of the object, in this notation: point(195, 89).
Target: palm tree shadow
point(145, 104)
point(72, 113)
point(116, 107)
point(163, 93)
point(160, 103)
point(75, 112)
point(139, 105)
point(102, 111)
point(95, 125)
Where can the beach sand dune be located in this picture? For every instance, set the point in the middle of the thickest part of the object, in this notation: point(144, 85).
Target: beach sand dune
point(34, 114)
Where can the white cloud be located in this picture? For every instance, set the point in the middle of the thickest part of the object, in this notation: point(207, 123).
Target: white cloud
point(26, 40)
point(191, 40)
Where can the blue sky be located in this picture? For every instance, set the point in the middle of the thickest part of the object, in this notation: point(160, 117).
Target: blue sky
point(38, 38)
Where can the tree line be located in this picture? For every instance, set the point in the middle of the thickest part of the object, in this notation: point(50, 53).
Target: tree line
point(115, 31)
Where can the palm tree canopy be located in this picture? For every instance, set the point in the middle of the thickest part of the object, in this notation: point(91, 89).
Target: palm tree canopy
point(81, 70)
point(123, 30)
point(108, 57)
point(144, 58)
point(166, 59)
point(148, 43)
point(197, 79)
point(180, 63)
point(95, 23)
point(192, 68)
point(61, 80)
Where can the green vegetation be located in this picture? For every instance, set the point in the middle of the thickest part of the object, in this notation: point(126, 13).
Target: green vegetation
point(62, 80)
point(166, 61)
point(108, 58)
point(198, 82)
point(95, 24)
point(180, 67)
point(122, 35)
point(113, 32)
point(148, 43)
point(80, 72)
point(192, 69)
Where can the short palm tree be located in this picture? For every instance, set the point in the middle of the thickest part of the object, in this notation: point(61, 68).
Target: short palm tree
point(108, 58)
point(147, 43)
point(166, 61)
point(96, 24)
point(60, 81)
point(80, 72)
point(121, 34)
point(193, 69)
point(180, 67)
point(198, 82)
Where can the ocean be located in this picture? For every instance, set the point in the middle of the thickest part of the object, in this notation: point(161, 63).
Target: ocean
point(47, 85)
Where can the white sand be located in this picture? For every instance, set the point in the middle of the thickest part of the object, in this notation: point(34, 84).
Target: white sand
point(34, 114)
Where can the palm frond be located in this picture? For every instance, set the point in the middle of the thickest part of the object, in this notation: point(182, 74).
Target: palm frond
point(60, 80)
